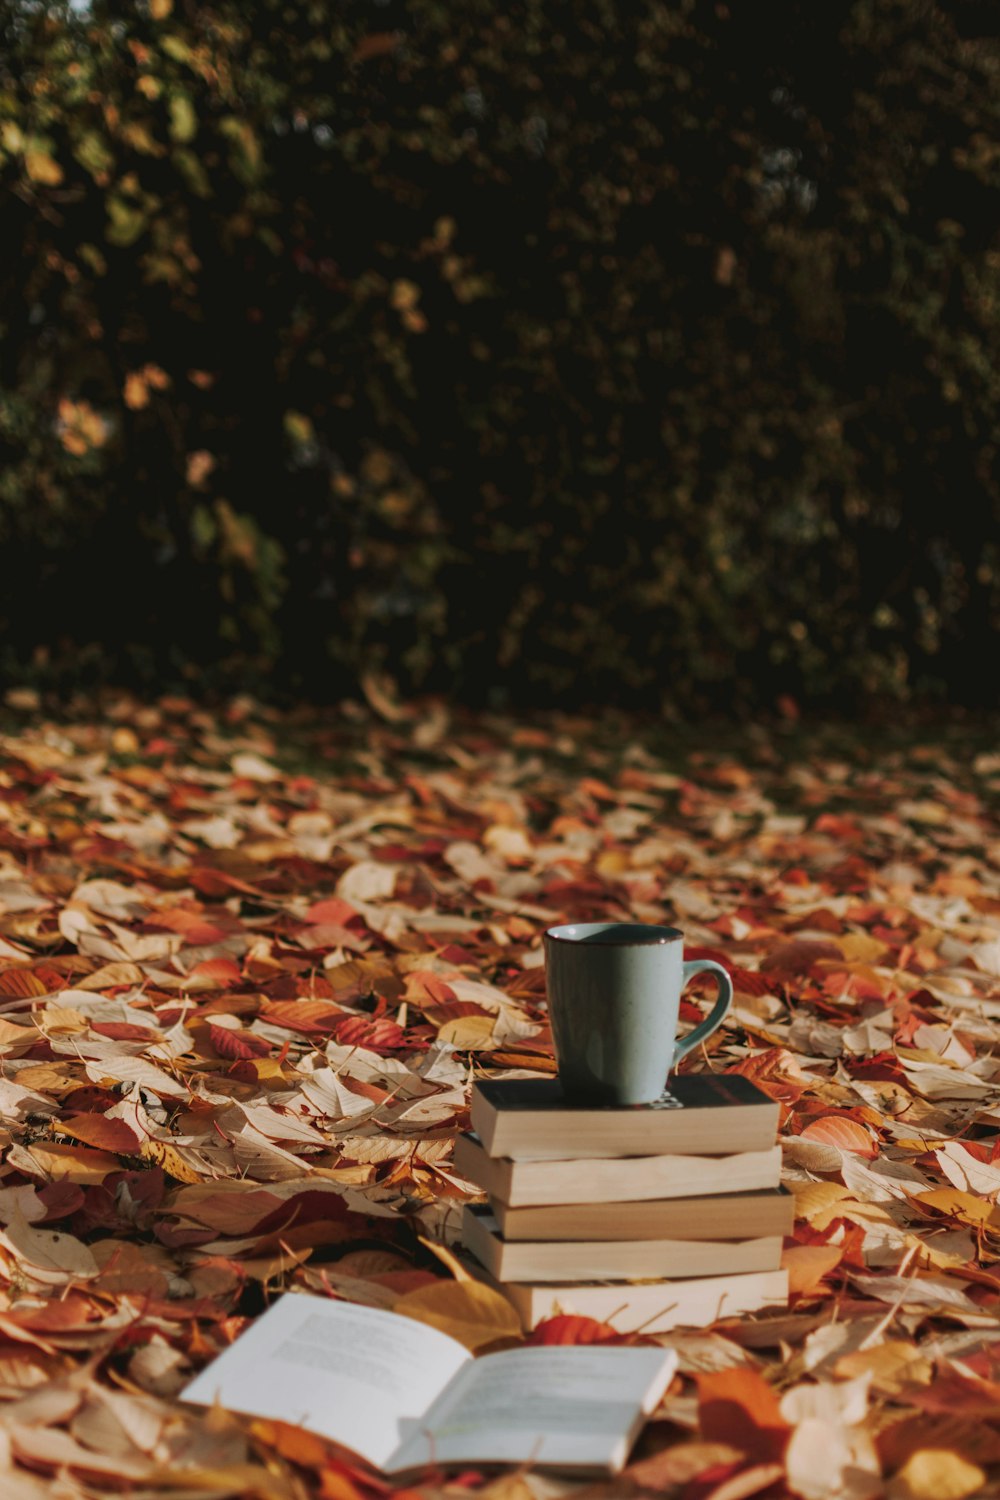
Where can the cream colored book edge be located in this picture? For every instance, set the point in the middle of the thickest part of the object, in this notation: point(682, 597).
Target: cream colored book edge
point(716, 1216)
point(653, 1307)
point(611, 1260)
point(636, 1179)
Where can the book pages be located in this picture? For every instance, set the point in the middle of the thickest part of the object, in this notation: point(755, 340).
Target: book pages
point(353, 1374)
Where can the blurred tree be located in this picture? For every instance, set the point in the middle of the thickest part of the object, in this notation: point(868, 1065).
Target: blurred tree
point(632, 350)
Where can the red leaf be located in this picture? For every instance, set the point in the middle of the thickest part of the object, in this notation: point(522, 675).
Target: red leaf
point(237, 1044)
point(60, 1198)
point(573, 1328)
point(100, 1132)
point(122, 1031)
point(218, 883)
point(363, 1031)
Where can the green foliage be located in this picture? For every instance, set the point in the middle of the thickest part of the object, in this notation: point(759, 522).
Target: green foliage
point(591, 349)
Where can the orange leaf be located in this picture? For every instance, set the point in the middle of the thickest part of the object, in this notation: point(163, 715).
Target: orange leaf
point(308, 1016)
point(376, 44)
point(334, 912)
point(296, 1443)
point(22, 983)
point(425, 989)
point(100, 1132)
point(191, 924)
point(808, 1264)
point(738, 1406)
point(799, 955)
point(212, 974)
point(847, 1135)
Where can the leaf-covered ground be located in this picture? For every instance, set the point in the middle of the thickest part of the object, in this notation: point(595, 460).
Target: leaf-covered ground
point(249, 966)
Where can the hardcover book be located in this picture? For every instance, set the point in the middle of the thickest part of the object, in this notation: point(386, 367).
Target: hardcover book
point(610, 1260)
point(628, 1179)
point(716, 1216)
point(652, 1306)
point(703, 1114)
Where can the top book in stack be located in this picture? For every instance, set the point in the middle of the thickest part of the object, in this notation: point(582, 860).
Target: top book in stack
point(704, 1114)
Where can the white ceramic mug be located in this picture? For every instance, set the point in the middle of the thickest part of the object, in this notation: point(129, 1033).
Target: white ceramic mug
point(614, 991)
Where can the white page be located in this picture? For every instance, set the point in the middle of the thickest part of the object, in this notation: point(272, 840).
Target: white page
point(561, 1406)
point(349, 1373)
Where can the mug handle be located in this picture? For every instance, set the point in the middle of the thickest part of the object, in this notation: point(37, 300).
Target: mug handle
point(719, 1010)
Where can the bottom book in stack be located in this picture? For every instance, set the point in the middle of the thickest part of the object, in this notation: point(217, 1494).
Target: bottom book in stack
point(648, 1242)
point(647, 1306)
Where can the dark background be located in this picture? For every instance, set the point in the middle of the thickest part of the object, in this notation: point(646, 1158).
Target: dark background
point(555, 351)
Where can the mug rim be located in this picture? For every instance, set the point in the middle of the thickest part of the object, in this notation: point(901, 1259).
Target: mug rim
point(589, 933)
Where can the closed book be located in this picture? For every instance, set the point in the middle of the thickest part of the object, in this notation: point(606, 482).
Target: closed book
point(652, 1306)
point(704, 1114)
point(718, 1216)
point(610, 1260)
point(628, 1179)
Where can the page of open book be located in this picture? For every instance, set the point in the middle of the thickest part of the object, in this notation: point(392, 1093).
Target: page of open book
point(569, 1407)
point(358, 1375)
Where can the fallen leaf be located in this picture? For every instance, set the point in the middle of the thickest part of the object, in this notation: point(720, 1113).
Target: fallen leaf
point(468, 1311)
point(936, 1474)
point(738, 1406)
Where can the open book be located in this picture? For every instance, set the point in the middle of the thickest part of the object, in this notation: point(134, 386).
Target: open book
point(403, 1395)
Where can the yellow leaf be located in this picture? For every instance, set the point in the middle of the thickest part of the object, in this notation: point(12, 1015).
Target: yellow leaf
point(160, 9)
point(170, 1159)
point(468, 1311)
point(183, 120)
point(404, 295)
point(136, 391)
point(64, 1163)
point(111, 974)
point(860, 947)
point(468, 1031)
point(936, 1474)
point(51, 1018)
point(892, 1366)
point(813, 1198)
point(50, 1078)
point(41, 167)
point(965, 1207)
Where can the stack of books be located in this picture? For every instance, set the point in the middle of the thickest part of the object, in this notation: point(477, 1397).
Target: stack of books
point(651, 1216)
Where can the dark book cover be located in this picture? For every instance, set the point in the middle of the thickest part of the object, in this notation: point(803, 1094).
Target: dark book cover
point(686, 1091)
